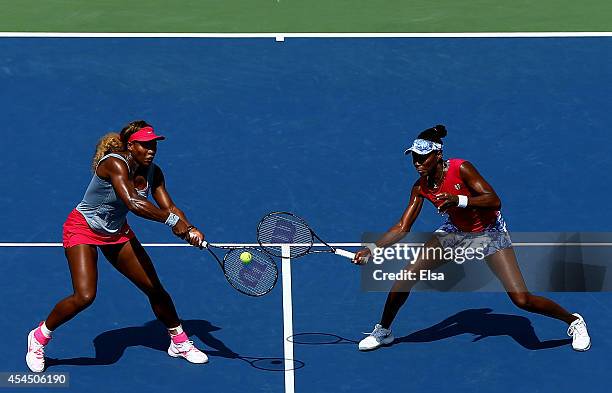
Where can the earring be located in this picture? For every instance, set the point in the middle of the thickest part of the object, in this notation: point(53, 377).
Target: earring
point(130, 160)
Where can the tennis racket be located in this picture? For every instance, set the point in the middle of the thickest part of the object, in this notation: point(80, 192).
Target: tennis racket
point(255, 278)
point(282, 228)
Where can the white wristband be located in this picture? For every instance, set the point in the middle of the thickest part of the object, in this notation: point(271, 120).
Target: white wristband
point(463, 201)
point(172, 220)
point(371, 247)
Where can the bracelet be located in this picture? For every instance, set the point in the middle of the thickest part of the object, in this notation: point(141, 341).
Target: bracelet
point(463, 201)
point(172, 220)
point(187, 232)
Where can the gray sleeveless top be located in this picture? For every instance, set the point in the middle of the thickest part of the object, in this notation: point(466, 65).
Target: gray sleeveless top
point(103, 210)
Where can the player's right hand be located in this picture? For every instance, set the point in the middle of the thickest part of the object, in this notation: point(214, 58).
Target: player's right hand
point(362, 256)
point(195, 238)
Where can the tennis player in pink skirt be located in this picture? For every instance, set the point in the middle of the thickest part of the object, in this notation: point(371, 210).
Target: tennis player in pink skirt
point(124, 176)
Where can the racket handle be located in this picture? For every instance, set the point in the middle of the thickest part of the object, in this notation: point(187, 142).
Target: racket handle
point(344, 253)
point(204, 244)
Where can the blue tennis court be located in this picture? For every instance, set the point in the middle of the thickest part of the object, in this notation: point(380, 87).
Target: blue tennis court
point(315, 126)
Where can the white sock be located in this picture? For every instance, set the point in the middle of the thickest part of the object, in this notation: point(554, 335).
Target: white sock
point(176, 331)
point(45, 330)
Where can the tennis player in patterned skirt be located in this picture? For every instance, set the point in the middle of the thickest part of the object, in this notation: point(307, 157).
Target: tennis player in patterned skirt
point(455, 188)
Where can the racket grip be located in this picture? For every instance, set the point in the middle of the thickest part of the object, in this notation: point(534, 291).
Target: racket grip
point(344, 253)
point(204, 244)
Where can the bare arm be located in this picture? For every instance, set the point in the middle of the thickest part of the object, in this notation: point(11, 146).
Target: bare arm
point(401, 228)
point(115, 171)
point(485, 197)
point(165, 202)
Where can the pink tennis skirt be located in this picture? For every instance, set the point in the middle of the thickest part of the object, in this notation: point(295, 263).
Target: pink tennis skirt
point(77, 231)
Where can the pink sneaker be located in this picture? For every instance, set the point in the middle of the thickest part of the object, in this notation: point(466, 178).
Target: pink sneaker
point(35, 358)
point(188, 351)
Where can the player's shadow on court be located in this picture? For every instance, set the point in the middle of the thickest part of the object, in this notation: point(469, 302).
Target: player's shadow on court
point(482, 324)
point(111, 345)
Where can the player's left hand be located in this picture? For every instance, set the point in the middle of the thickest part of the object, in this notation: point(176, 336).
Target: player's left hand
point(449, 200)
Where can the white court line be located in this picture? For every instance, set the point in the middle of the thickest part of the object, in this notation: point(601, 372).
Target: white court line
point(288, 320)
point(188, 245)
point(522, 244)
point(279, 35)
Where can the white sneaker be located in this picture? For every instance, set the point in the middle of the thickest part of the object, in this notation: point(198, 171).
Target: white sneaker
point(379, 336)
point(188, 351)
point(580, 336)
point(35, 358)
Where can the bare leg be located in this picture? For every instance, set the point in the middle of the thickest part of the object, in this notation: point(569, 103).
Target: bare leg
point(82, 261)
point(503, 264)
point(401, 289)
point(131, 260)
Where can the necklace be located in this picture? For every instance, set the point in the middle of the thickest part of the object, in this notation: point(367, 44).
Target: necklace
point(435, 183)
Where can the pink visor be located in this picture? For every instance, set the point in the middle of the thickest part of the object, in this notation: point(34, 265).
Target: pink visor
point(145, 134)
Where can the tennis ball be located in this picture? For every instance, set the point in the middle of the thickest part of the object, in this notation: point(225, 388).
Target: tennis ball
point(246, 257)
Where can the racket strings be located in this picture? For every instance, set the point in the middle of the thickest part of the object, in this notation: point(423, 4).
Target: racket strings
point(255, 278)
point(283, 229)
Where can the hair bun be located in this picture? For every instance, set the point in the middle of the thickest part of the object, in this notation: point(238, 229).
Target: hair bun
point(440, 130)
point(434, 134)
